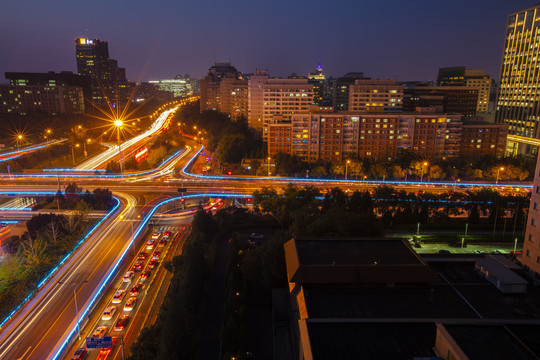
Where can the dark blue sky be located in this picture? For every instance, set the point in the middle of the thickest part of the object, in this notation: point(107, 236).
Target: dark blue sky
point(401, 39)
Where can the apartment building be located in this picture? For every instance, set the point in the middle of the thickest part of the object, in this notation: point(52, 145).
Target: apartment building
point(375, 96)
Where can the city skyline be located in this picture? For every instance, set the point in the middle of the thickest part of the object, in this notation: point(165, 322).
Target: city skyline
point(344, 38)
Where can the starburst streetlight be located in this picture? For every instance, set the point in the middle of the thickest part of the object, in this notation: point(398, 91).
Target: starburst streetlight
point(119, 123)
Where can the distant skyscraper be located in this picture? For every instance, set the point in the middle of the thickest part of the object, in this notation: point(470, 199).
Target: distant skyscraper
point(317, 79)
point(340, 93)
point(210, 85)
point(108, 80)
point(518, 102)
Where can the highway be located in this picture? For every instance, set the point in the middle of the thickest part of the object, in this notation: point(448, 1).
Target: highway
point(43, 324)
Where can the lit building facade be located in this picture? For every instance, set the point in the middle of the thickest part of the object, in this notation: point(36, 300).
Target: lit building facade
point(338, 136)
point(108, 81)
point(340, 90)
point(375, 95)
point(233, 95)
point(530, 257)
point(282, 98)
point(477, 79)
point(52, 100)
point(461, 100)
point(518, 101)
point(210, 85)
point(179, 86)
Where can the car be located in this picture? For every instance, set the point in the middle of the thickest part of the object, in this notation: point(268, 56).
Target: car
point(156, 255)
point(138, 266)
point(108, 313)
point(135, 290)
point(498, 252)
point(121, 323)
point(144, 275)
point(479, 252)
point(156, 235)
point(141, 256)
point(100, 331)
point(162, 242)
point(167, 233)
point(130, 304)
point(118, 296)
point(79, 354)
point(105, 351)
point(444, 252)
point(128, 276)
point(152, 264)
point(150, 244)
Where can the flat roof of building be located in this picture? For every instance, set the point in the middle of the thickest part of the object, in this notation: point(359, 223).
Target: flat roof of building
point(339, 251)
point(380, 302)
point(496, 342)
point(351, 340)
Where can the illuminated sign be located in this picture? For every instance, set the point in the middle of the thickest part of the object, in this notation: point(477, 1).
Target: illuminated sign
point(83, 41)
point(141, 154)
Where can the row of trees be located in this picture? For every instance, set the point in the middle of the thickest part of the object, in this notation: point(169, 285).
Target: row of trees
point(231, 140)
point(406, 166)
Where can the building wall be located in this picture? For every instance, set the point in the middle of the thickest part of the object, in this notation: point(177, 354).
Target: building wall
point(375, 95)
point(483, 139)
point(284, 97)
point(47, 99)
point(518, 101)
point(530, 257)
point(233, 95)
point(338, 136)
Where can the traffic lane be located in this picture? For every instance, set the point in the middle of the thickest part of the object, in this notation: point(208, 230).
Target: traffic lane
point(95, 270)
point(92, 265)
point(107, 297)
point(152, 300)
point(27, 315)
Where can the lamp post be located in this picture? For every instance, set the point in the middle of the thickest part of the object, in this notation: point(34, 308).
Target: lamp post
point(84, 144)
point(73, 152)
point(19, 139)
point(269, 158)
point(347, 168)
point(73, 286)
point(422, 172)
point(118, 123)
point(498, 170)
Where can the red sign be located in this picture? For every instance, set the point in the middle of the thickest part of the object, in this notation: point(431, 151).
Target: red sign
point(141, 154)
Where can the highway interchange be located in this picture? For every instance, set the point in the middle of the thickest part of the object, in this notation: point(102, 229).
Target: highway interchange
point(46, 326)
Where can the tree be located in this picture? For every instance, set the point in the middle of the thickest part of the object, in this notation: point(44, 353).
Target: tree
point(398, 172)
point(435, 172)
point(113, 167)
point(33, 250)
point(379, 171)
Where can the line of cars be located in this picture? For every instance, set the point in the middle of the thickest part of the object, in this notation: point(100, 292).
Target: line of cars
point(134, 290)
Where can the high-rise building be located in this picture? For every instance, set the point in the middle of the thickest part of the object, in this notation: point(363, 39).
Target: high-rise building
point(108, 81)
point(375, 95)
point(275, 100)
point(450, 99)
point(234, 97)
point(340, 93)
point(210, 85)
point(477, 79)
point(318, 80)
point(531, 245)
point(518, 102)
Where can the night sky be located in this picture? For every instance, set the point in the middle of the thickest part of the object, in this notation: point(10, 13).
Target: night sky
point(396, 39)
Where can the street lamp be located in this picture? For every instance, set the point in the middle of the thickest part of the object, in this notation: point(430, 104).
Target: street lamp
point(84, 144)
point(73, 152)
point(19, 139)
point(118, 123)
point(347, 168)
point(269, 158)
point(73, 286)
point(422, 172)
point(498, 170)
